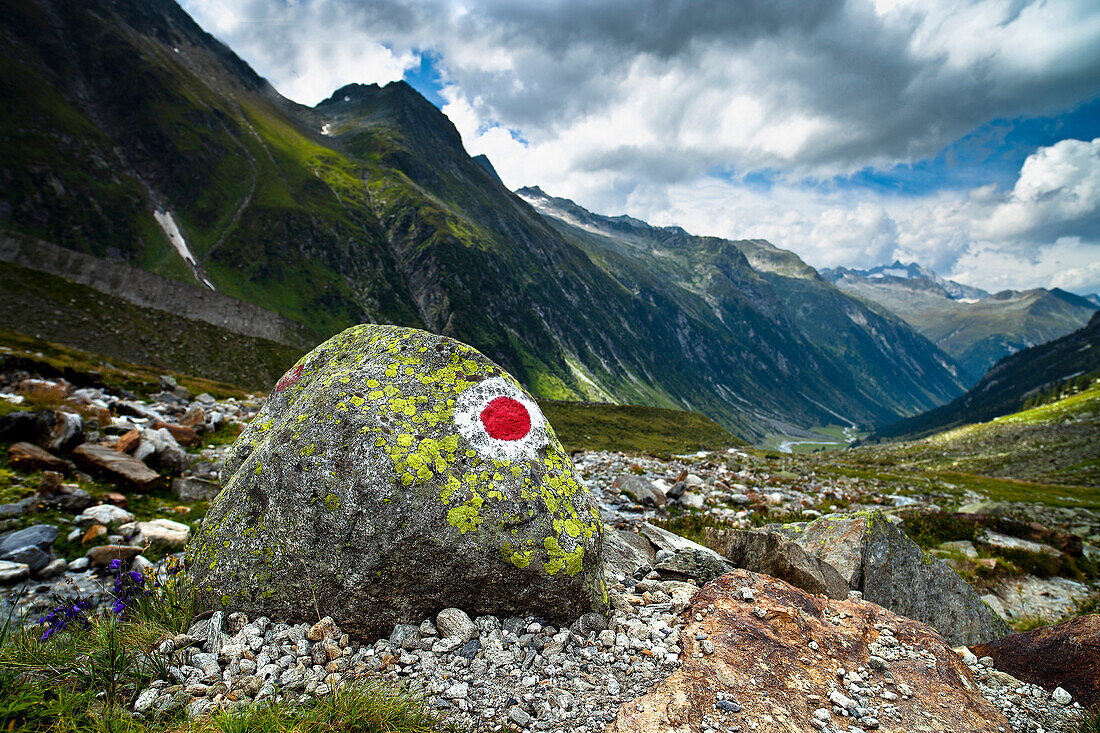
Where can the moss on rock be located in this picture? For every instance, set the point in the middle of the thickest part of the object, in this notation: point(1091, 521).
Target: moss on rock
point(369, 488)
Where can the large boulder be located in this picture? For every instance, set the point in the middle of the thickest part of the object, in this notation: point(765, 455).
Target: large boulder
point(873, 555)
point(762, 655)
point(392, 474)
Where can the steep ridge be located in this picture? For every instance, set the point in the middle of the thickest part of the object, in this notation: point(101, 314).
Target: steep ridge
point(1010, 383)
point(131, 134)
point(971, 325)
point(730, 284)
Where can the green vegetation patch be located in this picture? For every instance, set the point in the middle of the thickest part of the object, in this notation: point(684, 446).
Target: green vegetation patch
point(634, 429)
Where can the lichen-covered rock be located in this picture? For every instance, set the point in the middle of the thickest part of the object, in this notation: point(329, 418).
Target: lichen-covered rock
point(391, 474)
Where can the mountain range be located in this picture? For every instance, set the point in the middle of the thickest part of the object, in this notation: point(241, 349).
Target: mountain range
point(1016, 382)
point(134, 137)
point(975, 327)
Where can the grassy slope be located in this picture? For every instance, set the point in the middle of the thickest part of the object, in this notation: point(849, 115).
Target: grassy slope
point(1049, 453)
point(588, 426)
point(55, 309)
point(1010, 384)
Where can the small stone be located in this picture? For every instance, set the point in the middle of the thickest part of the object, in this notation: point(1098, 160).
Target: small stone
point(323, 629)
point(105, 514)
point(1061, 697)
point(104, 554)
point(875, 662)
point(517, 715)
point(453, 622)
point(13, 572)
point(728, 706)
point(93, 533)
point(145, 700)
point(54, 569)
point(457, 691)
point(747, 594)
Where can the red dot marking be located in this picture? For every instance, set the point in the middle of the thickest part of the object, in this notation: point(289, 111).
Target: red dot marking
point(506, 419)
point(289, 378)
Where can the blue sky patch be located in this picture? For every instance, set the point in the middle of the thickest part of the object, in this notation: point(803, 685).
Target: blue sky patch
point(427, 78)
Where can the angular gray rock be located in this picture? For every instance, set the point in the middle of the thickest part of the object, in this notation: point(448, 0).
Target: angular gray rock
point(117, 466)
point(770, 553)
point(30, 546)
point(391, 474)
point(193, 488)
point(454, 622)
point(872, 555)
point(108, 515)
point(41, 536)
point(639, 490)
point(627, 552)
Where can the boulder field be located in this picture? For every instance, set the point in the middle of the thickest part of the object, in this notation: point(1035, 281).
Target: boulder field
point(393, 473)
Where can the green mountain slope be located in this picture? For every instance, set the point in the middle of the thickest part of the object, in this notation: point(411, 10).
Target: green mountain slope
point(122, 119)
point(1014, 383)
point(833, 346)
point(1057, 442)
point(975, 331)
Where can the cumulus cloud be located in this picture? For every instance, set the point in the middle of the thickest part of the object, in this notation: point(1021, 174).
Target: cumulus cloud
point(1057, 194)
point(826, 84)
point(987, 237)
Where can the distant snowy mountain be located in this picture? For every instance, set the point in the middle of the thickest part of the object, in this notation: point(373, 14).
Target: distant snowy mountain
point(975, 327)
point(912, 271)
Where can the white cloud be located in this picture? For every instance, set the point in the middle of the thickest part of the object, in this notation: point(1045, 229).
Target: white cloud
point(1058, 189)
point(951, 232)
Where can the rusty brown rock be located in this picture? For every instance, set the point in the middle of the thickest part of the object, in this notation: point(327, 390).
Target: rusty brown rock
point(104, 554)
point(762, 659)
point(93, 533)
point(116, 466)
point(29, 457)
point(184, 435)
point(194, 417)
point(128, 441)
point(1065, 655)
point(113, 497)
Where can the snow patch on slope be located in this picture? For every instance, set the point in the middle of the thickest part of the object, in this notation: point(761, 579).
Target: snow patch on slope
point(172, 231)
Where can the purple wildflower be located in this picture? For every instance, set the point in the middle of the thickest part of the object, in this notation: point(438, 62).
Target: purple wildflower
point(64, 615)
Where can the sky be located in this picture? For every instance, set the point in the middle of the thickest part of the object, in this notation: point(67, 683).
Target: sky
point(960, 134)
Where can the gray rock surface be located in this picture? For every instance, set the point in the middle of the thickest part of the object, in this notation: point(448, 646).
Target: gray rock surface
point(875, 557)
point(393, 473)
point(41, 536)
point(770, 553)
point(193, 488)
point(640, 490)
point(108, 515)
point(30, 546)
